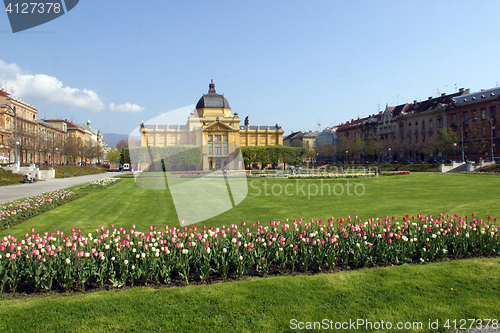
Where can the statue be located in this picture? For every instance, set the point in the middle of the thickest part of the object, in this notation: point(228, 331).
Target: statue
point(246, 121)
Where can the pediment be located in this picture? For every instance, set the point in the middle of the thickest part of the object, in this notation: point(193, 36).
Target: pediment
point(218, 126)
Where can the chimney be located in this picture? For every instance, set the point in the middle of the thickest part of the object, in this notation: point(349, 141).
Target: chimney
point(443, 94)
point(461, 90)
point(429, 98)
point(414, 101)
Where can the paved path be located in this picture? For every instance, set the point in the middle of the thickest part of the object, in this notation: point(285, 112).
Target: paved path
point(14, 192)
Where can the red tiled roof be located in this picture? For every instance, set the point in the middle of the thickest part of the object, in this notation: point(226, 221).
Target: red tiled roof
point(351, 124)
point(3, 93)
point(71, 125)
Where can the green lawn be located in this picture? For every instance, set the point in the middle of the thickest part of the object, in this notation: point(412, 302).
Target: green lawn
point(407, 293)
point(125, 204)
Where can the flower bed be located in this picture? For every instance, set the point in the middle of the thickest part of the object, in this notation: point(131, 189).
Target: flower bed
point(394, 173)
point(118, 257)
point(102, 183)
point(331, 175)
point(15, 212)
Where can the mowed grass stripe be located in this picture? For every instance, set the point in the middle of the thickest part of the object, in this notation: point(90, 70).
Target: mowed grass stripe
point(126, 204)
point(408, 293)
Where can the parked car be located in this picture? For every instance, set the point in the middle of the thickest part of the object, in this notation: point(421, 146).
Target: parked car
point(432, 160)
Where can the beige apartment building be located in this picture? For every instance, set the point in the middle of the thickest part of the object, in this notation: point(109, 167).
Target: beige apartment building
point(42, 141)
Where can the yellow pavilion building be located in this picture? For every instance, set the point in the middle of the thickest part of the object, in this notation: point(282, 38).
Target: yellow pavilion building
point(213, 126)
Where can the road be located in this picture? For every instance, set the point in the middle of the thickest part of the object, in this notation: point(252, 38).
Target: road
point(15, 192)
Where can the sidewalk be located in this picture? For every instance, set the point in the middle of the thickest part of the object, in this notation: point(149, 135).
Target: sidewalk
point(15, 192)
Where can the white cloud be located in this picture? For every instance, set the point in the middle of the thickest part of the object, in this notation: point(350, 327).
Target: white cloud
point(126, 108)
point(44, 89)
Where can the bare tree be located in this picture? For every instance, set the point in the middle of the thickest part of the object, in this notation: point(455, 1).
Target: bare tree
point(121, 144)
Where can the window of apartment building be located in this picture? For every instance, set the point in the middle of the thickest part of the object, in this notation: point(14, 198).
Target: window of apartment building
point(210, 151)
point(416, 125)
point(440, 122)
point(224, 138)
point(474, 115)
point(224, 147)
point(492, 112)
point(423, 125)
point(453, 120)
point(217, 137)
point(210, 138)
point(483, 114)
point(484, 132)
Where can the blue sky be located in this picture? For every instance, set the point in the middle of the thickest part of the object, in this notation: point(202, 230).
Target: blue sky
point(293, 62)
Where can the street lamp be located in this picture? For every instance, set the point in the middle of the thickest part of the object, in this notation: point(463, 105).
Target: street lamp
point(15, 129)
point(16, 153)
point(347, 156)
point(491, 137)
point(390, 157)
point(463, 123)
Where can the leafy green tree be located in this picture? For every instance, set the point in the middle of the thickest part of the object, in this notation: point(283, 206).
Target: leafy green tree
point(271, 154)
point(446, 139)
point(113, 155)
point(125, 155)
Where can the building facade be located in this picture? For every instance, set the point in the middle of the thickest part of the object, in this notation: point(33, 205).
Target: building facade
point(473, 118)
point(216, 128)
point(407, 131)
point(41, 141)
